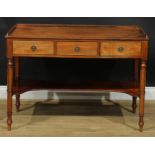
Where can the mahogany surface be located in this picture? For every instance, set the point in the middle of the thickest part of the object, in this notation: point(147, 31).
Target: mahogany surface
point(77, 41)
point(49, 31)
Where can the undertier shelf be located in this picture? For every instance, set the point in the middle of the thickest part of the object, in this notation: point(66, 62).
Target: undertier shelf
point(125, 87)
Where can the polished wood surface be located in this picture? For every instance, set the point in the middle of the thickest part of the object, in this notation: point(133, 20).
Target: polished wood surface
point(77, 48)
point(33, 47)
point(49, 31)
point(121, 48)
point(77, 41)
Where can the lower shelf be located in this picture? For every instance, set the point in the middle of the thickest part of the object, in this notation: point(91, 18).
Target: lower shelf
point(125, 87)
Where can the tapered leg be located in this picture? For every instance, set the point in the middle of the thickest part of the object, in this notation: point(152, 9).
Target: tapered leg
point(9, 91)
point(142, 94)
point(136, 79)
point(17, 76)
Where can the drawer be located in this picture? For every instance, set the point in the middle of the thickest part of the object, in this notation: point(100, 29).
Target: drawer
point(33, 47)
point(77, 48)
point(121, 48)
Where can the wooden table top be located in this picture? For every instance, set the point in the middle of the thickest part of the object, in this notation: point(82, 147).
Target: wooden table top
point(86, 32)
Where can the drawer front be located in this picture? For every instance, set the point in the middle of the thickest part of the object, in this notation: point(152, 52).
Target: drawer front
point(121, 48)
point(33, 47)
point(77, 48)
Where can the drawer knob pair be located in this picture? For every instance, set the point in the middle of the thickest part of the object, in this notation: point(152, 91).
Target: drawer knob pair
point(120, 49)
point(77, 49)
point(33, 48)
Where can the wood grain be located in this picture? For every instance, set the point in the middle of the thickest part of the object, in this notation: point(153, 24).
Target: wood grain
point(69, 48)
point(111, 48)
point(24, 47)
point(129, 32)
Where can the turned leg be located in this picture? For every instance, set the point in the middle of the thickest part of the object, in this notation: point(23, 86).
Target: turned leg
point(9, 91)
point(142, 93)
point(136, 79)
point(17, 73)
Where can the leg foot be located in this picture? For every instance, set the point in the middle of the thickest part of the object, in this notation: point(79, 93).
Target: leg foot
point(9, 121)
point(134, 104)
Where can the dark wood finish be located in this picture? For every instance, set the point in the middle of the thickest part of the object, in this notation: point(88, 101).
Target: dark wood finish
point(124, 87)
point(17, 78)
point(77, 41)
point(134, 104)
point(136, 79)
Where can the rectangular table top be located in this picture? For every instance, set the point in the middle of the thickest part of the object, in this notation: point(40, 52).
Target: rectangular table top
point(85, 32)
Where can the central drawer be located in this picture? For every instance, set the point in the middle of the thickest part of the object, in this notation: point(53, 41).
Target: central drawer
point(77, 48)
point(33, 47)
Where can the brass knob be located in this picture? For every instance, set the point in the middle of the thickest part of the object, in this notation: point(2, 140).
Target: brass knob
point(120, 49)
point(77, 49)
point(33, 48)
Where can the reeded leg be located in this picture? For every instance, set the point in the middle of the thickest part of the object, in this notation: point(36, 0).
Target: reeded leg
point(9, 92)
point(142, 94)
point(17, 73)
point(136, 79)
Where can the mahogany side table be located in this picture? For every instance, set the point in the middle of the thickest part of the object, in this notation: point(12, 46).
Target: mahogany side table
point(77, 41)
